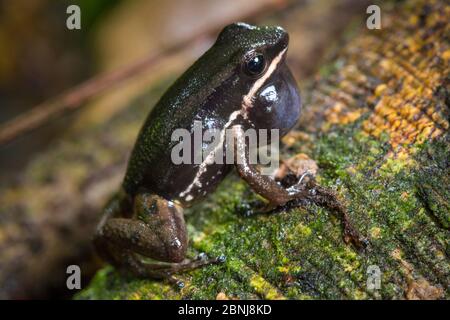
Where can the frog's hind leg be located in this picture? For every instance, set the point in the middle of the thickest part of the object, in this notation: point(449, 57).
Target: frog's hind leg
point(118, 206)
point(157, 230)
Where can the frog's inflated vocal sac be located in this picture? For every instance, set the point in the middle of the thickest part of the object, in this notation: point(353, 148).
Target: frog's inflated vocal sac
point(241, 82)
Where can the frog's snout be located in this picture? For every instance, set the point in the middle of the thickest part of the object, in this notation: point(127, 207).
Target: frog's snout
point(284, 39)
point(280, 36)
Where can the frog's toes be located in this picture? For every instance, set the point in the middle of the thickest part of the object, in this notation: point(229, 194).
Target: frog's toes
point(221, 259)
point(296, 166)
point(175, 281)
point(180, 284)
point(202, 256)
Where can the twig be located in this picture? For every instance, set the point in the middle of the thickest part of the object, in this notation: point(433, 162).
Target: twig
point(73, 98)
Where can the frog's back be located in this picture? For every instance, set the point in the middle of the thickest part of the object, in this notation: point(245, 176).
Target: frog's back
point(188, 99)
point(212, 90)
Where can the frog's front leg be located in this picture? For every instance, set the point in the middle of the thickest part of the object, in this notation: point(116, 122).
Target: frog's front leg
point(278, 195)
point(156, 230)
point(261, 184)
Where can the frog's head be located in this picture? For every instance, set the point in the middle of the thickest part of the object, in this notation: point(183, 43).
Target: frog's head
point(269, 94)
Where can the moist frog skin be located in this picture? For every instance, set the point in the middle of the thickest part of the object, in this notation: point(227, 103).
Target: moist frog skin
point(226, 88)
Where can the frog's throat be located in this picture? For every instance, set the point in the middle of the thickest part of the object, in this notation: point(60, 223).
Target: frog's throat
point(247, 103)
point(248, 99)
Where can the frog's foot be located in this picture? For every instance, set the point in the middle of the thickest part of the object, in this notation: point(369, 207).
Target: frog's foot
point(297, 175)
point(351, 235)
point(294, 168)
point(201, 261)
point(300, 185)
point(167, 270)
point(325, 197)
point(297, 190)
point(129, 261)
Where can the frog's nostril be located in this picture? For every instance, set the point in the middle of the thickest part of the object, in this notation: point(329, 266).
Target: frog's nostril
point(284, 39)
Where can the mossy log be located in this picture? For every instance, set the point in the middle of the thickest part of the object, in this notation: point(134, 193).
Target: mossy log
point(376, 123)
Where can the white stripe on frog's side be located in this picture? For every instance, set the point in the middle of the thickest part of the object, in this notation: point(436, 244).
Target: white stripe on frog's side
point(247, 103)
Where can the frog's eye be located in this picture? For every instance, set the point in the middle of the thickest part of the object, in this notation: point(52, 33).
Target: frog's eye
point(255, 64)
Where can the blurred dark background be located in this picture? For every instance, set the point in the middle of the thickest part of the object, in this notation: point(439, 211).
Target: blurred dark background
point(40, 58)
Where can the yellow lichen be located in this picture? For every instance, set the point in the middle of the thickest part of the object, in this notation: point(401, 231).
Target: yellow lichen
point(375, 232)
point(408, 70)
point(264, 288)
point(222, 296)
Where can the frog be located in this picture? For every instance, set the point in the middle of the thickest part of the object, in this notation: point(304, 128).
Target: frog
point(241, 82)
